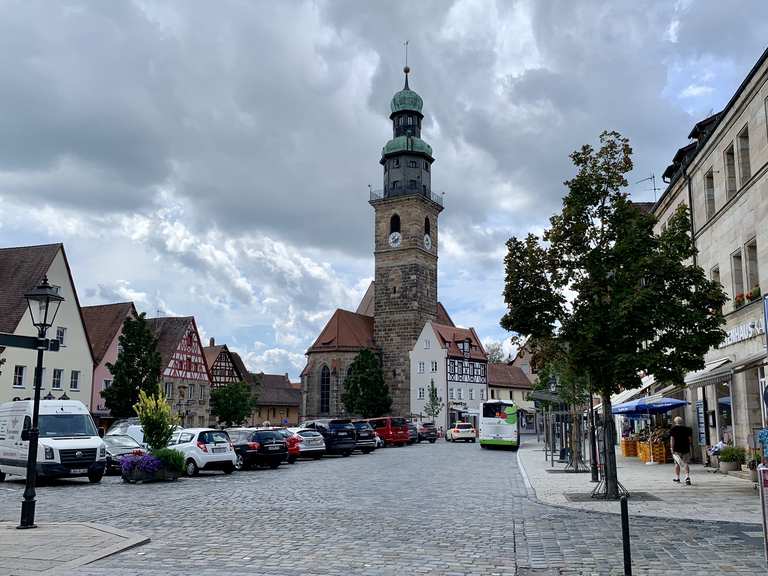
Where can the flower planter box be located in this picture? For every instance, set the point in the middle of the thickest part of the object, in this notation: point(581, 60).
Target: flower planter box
point(137, 476)
point(729, 466)
point(629, 448)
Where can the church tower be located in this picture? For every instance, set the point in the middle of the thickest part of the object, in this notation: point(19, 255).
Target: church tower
point(405, 244)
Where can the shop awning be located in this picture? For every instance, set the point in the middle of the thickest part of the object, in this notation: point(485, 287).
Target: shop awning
point(651, 405)
point(713, 373)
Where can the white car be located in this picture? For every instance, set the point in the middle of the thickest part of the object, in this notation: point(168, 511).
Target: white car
point(128, 427)
point(461, 431)
point(204, 449)
point(311, 442)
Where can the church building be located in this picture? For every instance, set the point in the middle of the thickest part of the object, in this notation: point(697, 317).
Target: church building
point(403, 296)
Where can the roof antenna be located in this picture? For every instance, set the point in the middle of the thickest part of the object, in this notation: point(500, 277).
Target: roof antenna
point(652, 179)
point(406, 69)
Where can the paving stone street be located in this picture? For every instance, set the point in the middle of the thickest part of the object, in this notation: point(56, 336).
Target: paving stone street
point(426, 509)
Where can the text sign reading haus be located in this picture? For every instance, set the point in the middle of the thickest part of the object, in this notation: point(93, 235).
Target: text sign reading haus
point(743, 332)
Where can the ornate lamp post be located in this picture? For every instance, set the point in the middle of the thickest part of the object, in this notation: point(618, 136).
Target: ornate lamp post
point(43, 302)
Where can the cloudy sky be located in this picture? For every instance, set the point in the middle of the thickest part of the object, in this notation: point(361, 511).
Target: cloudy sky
point(213, 158)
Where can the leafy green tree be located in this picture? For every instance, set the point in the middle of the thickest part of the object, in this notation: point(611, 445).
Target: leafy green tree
point(233, 403)
point(434, 404)
point(624, 299)
point(495, 353)
point(157, 420)
point(137, 367)
point(365, 392)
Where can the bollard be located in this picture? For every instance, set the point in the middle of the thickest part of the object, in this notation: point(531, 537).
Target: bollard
point(625, 537)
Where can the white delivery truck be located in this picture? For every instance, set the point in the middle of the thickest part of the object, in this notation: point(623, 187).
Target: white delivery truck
point(69, 444)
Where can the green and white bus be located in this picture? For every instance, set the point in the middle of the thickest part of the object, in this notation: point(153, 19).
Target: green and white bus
point(499, 424)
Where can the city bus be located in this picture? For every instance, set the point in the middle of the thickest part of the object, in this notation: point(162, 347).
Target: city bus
point(499, 424)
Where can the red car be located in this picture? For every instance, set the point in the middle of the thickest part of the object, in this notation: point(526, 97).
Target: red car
point(391, 430)
point(292, 442)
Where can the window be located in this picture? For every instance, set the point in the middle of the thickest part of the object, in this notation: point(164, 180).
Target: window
point(412, 184)
point(482, 394)
point(709, 193)
point(61, 334)
point(395, 184)
point(74, 380)
point(427, 227)
point(730, 173)
point(427, 344)
point(413, 164)
point(325, 390)
point(434, 365)
point(191, 391)
point(394, 223)
point(421, 393)
point(737, 271)
point(510, 395)
point(461, 393)
point(493, 394)
point(56, 382)
point(426, 164)
point(18, 376)
point(753, 277)
point(451, 395)
point(471, 393)
point(421, 367)
point(188, 364)
point(169, 389)
point(396, 163)
point(744, 167)
point(106, 384)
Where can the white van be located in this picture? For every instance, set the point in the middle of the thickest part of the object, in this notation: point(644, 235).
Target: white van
point(69, 444)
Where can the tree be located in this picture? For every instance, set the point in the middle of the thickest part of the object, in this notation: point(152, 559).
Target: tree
point(365, 393)
point(625, 300)
point(232, 403)
point(434, 404)
point(495, 353)
point(157, 420)
point(137, 367)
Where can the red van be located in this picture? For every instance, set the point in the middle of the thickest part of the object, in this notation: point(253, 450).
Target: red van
point(391, 430)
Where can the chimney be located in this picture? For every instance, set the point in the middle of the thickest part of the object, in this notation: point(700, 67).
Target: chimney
point(211, 342)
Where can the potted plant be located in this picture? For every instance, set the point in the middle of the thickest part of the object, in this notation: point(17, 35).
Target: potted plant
point(158, 423)
point(754, 294)
point(738, 300)
point(731, 458)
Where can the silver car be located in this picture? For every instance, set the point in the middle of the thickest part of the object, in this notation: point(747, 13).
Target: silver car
point(311, 443)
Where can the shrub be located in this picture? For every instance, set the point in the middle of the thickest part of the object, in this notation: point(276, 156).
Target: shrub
point(732, 454)
point(156, 419)
point(173, 460)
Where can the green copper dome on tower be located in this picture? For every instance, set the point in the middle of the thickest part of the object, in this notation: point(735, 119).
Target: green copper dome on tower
point(406, 99)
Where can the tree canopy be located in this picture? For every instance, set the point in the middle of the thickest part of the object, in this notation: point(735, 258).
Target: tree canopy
point(434, 404)
point(232, 403)
point(365, 392)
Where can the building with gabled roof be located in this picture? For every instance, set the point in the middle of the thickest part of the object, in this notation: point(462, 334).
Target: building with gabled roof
point(224, 368)
point(278, 400)
point(68, 372)
point(104, 325)
point(185, 375)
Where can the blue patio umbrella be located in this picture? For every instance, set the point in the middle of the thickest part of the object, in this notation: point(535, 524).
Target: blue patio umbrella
point(647, 406)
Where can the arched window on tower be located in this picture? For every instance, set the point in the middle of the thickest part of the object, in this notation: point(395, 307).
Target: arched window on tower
point(394, 223)
point(427, 230)
point(325, 390)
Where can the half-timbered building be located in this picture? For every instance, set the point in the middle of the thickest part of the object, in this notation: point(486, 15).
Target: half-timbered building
point(186, 379)
point(225, 366)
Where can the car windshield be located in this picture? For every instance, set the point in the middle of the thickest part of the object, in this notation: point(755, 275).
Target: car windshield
point(336, 426)
point(398, 422)
point(363, 426)
point(120, 441)
point(217, 438)
point(464, 426)
point(263, 435)
point(238, 435)
point(61, 425)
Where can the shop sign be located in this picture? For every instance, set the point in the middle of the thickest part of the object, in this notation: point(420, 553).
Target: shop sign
point(742, 332)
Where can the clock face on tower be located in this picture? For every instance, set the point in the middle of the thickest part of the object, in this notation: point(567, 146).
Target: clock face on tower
point(427, 242)
point(394, 239)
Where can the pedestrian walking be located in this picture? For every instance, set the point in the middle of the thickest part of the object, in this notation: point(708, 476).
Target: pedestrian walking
point(680, 440)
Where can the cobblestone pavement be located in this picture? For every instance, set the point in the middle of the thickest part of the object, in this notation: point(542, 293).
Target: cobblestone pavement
point(427, 509)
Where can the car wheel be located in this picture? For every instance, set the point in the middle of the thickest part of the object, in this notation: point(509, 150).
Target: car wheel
point(317, 456)
point(2, 476)
point(346, 453)
point(229, 468)
point(473, 440)
point(274, 465)
point(95, 477)
point(432, 441)
point(292, 459)
point(367, 450)
point(240, 463)
point(191, 468)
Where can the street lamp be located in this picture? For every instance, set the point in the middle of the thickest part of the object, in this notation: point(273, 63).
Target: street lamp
point(43, 302)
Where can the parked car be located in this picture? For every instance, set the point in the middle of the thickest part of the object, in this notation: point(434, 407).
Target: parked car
point(118, 446)
point(461, 431)
point(393, 431)
point(338, 434)
point(128, 427)
point(292, 442)
point(311, 443)
point(204, 449)
point(413, 433)
point(68, 446)
point(254, 447)
point(366, 438)
point(427, 431)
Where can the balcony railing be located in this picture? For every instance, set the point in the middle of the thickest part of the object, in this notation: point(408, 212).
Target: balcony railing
point(394, 192)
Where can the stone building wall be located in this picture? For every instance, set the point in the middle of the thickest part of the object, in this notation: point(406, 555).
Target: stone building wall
point(338, 363)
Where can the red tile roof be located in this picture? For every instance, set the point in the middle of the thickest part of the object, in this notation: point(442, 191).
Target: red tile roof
point(103, 323)
point(442, 316)
point(276, 390)
point(450, 336)
point(507, 376)
point(212, 352)
point(366, 306)
point(169, 331)
point(21, 269)
point(345, 331)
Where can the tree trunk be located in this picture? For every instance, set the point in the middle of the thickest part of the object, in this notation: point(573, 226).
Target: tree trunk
point(609, 444)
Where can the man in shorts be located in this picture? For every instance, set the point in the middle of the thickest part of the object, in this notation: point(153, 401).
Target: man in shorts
point(680, 440)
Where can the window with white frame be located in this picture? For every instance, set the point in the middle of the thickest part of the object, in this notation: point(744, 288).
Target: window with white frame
point(106, 384)
point(729, 158)
point(19, 372)
point(482, 394)
point(745, 169)
point(427, 344)
point(191, 391)
point(169, 389)
point(434, 365)
point(421, 367)
point(56, 381)
point(61, 335)
point(753, 277)
point(421, 393)
point(737, 272)
point(471, 393)
point(451, 395)
point(74, 380)
point(461, 394)
point(202, 392)
point(709, 193)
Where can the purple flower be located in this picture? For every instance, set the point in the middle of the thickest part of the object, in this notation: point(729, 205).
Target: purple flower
point(145, 463)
